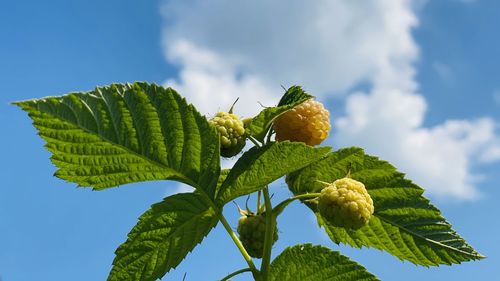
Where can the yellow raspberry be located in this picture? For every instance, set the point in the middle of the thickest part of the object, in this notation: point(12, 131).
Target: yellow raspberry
point(308, 122)
point(252, 231)
point(346, 203)
point(231, 131)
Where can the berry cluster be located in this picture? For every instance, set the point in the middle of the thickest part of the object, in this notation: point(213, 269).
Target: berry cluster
point(308, 122)
point(252, 231)
point(231, 131)
point(346, 203)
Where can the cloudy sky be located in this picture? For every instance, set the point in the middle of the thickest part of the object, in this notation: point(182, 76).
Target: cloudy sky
point(414, 82)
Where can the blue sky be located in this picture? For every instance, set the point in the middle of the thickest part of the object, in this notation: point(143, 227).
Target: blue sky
point(437, 60)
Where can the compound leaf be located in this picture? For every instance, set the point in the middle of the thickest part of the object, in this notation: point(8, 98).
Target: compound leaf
point(311, 263)
point(127, 133)
point(164, 235)
point(260, 166)
point(404, 224)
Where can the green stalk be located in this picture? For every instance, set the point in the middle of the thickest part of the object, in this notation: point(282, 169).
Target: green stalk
point(235, 273)
point(233, 236)
point(282, 205)
point(269, 238)
point(258, 200)
point(240, 246)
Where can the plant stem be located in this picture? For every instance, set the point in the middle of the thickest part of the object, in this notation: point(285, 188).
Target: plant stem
point(268, 242)
point(237, 241)
point(281, 206)
point(235, 273)
point(258, 200)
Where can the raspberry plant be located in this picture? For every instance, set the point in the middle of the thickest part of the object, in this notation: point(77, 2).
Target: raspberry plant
point(126, 133)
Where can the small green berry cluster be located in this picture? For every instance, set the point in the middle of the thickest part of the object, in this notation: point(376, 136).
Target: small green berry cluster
point(231, 131)
point(252, 231)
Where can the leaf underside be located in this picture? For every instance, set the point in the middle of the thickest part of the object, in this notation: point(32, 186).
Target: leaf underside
point(260, 166)
point(164, 235)
point(312, 263)
point(126, 133)
point(404, 224)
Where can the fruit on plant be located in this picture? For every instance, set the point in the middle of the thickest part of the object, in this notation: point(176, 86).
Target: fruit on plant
point(346, 203)
point(309, 122)
point(231, 131)
point(252, 231)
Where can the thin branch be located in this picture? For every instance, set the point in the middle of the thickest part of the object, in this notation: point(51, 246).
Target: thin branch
point(268, 242)
point(238, 243)
point(236, 273)
point(283, 204)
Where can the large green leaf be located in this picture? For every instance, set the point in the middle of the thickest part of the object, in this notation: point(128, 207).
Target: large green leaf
point(260, 124)
point(165, 234)
point(404, 224)
point(260, 166)
point(127, 133)
point(312, 263)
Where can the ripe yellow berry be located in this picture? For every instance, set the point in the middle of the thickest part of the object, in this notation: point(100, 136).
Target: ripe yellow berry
point(231, 131)
point(346, 203)
point(308, 122)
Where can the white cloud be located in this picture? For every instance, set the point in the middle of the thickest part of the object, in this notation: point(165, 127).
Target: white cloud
point(212, 84)
point(327, 45)
point(438, 158)
point(226, 49)
point(490, 153)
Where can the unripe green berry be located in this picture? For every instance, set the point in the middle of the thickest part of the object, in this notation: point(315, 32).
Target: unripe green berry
point(309, 122)
point(346, 203)
point(252, 231)
point(231, 131)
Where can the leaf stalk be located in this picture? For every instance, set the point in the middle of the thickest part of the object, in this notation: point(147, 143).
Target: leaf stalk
point(269, 237)
point(240, 246)
point(236, 273)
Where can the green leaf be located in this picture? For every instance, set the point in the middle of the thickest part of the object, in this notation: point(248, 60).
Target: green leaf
point(404, 224)
point(127, 133)
point(311, 263)
point(260, 166)
point(223, 175)
point(259, 125)
point(164, 235)
point(293, 95)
